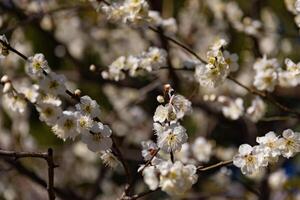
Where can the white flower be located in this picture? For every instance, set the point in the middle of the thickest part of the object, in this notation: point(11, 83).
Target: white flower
point(53, 84)
point(277, 179)
point(87, 106)
point(116, 69)
point(37, 65)
point(14, 103)
point(176, 179)
point(251, 26)
point(264, 64)
point(66, 126)
point(180, 105)
point(218, 44)
point(49, 109)
point(109, 159)
point(215, 72)
point(137, 12)
point(148, 61)
point(297, 5)
point(184, 155)
point(3, 49)
point(269, 146)
point(257, 109)
point(133, 64)
point(266, 80)
point(149, 150)
point(150, 175)
point(98, 139)
point(157, 57)
point(288, 79)
point(172, 137)
point(249, 159)
point(292, 67)
point(232, 109)
point(133, 12)
point(290, 143)
point(202, 149)
point(114, 12)
point(217, 69)
point(31, 93)
point(84, 123)
point(176, 109)
point(231, 60)
point(158, 128)
point(291, 76)
point(161, 114)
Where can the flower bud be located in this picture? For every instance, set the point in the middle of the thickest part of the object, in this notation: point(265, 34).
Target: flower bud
point(92, 68)
point(4, 79)
point(77, 92)
point(160, 99)
point(7, 87)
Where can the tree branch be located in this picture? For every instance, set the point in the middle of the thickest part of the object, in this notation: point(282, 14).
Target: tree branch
point(46, 156)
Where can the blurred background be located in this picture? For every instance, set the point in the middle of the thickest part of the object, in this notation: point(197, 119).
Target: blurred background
point(73, 36)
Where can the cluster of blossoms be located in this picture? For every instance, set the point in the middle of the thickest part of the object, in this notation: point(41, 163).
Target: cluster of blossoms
point(45, 95)
point(234, 108)
point(133, 12)
point(266, 74)
point(220, 64)
point(290, 77)
point(137, 13)
point(251, 159)
point(294, 7)
point(175, 178)
point(269, 74)
point(153, 59)
point(241, 23)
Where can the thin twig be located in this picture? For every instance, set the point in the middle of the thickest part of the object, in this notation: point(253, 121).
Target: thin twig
point(119, 155)
point(137, 196)
point(220, 164)
point(267, 97)
point(150, 160)
point(17, 155)
point(177, 43)
point(13, 50)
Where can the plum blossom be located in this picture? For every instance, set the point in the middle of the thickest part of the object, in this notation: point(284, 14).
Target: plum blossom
point(109, 159)
point(98, 139)
point(232, 109)
point(289, 144)
point(150, 175)
point(216, 70)
point(249, 159)
point(37, 65)
point(269, 145)
point(149, 150)
point(266, 76)
point(53, 84)
point(152, 59)
point(172, 137)
point(87, 106)
point(175, 178)
point(257, 109)
point(66, 126)
point(132, 12)
point(49, 109)
point(202, 149)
